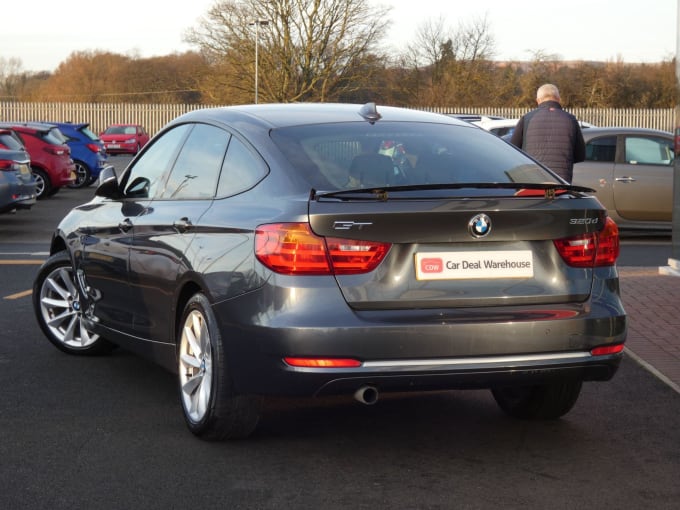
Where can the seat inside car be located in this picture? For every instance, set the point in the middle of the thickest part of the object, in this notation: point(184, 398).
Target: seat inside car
point(437, 168)
point(372, 170)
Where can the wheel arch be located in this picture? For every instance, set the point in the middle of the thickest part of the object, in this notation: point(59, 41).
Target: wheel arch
point(57, 245)
point(188, 289)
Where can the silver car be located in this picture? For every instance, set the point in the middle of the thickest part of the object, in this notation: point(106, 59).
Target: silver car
point(632, 171)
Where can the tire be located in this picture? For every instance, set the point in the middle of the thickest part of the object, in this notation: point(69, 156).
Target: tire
point(82, 176)
point(544, 402)
point(211, 409)
point(56, 302)
point(43, 184)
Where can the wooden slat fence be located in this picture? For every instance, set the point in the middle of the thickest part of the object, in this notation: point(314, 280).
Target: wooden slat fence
point(154, 116)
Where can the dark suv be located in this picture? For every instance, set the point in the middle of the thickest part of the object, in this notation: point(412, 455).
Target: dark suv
point(87, 151)
point(50, 156)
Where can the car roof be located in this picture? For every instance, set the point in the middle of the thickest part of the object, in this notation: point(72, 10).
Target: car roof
point(74, 125)
point(276, 115)
point(592, 132)
point(35, 126)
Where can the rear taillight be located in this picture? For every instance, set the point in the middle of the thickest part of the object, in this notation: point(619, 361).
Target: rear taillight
point(592, 249)
point(292, 248)
point(7, 165)
point(57, 150)
point(93, 147)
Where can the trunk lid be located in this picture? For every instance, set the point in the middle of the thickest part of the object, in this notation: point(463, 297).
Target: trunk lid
point(463, 252)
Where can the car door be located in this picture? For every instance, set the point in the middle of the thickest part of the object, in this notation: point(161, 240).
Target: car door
point(643, 180)
point(107, 234)
point(597, 171)
point(163, 235)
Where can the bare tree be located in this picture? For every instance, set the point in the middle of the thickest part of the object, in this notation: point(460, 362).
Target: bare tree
point(452, 65)
point(308, 49)
point(10, 77)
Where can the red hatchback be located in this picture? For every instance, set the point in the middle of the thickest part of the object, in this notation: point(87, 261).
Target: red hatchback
point(124, 138)
point(50, 157)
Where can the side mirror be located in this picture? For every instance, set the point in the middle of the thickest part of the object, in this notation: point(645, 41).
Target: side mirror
point(108, 184)
point(139, 188)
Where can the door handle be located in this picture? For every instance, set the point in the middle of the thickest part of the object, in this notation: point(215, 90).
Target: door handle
point(125, 225)
point(182, 225)
point(625, 179)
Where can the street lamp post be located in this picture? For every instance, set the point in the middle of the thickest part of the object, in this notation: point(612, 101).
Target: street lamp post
point(258, 23)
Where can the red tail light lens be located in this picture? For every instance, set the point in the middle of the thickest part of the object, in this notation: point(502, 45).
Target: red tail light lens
point(608, 247)
point(93, 147)
point(292, 248)
point(593, 249)
point(6, 165)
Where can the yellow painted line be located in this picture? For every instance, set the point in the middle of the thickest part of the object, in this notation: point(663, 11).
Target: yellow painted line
point(20, 262)
point(19, 295)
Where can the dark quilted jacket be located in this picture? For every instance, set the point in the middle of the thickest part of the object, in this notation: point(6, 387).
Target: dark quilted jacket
point(551, 136)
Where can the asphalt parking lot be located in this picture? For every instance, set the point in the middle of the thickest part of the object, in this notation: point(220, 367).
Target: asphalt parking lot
point(107, 432)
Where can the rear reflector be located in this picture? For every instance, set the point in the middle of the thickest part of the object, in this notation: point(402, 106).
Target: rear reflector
point(607, 349)
point(292, 248)
point(323, 362)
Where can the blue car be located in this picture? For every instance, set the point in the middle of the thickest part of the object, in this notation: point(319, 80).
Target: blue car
point(87, 151)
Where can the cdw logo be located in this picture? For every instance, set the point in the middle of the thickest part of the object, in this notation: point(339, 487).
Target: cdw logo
point(432, 265)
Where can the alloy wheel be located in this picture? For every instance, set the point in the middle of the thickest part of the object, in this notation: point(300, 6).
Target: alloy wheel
point(195, 366)
point(61, 309)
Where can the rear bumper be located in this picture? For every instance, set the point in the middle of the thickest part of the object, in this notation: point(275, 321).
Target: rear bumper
point(476, 373)
point(415, 349)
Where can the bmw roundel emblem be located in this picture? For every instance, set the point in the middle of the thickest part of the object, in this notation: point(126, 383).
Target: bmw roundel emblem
point(480, 225)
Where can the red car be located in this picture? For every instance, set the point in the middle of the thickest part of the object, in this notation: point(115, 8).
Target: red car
point(124, 138)
point(50, 156)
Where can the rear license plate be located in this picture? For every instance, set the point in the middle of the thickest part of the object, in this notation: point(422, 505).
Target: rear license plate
point(474, 265)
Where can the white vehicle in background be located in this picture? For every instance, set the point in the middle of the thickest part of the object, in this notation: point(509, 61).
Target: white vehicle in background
point(498, 127)
point(505, 127)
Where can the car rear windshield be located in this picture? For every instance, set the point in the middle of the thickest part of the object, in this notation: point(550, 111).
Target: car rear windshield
point(88, 133)
point(353, 155)
point(53, 137)
point(9, 142)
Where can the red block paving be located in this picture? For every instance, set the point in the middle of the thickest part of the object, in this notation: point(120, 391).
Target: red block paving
point(652, 302)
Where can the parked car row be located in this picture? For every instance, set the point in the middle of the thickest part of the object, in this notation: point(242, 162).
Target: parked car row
point(631, 170)
point(37, 159)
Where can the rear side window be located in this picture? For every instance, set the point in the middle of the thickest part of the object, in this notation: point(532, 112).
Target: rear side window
point(195, 173)
point(242, 169)
point(648, 151)
point(601, 149)
point(359, 154)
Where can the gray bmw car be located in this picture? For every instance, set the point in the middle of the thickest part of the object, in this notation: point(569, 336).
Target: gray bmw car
point(317, 249)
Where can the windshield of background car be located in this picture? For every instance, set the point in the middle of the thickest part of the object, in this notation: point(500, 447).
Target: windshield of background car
point(362, 155)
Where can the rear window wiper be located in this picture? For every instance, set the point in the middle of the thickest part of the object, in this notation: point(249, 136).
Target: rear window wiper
point(548, 190)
